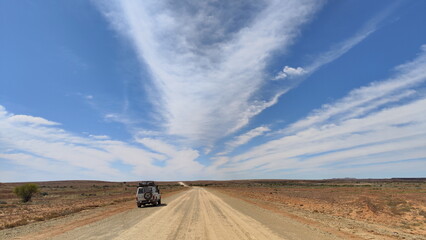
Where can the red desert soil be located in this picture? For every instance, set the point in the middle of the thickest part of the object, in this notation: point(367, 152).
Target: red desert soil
point(91, 217)
point(394, 208)
point(345, 208)
point(62, 198)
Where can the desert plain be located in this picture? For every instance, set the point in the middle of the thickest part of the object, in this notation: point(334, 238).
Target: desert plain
point(336, 208)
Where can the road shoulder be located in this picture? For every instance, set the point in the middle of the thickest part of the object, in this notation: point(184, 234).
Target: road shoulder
point(74, 222)
point(288, 227)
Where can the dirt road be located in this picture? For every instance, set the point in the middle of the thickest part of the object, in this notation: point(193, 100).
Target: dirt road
point(196, 214)
point(200, 214)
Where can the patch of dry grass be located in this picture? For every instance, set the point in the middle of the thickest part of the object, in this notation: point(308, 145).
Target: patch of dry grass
point(393, 203)
point(61, 198)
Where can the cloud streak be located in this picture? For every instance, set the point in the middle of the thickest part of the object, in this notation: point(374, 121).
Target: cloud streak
point(301, 73)
point(244, 138)
point(206, 64)
point(33, 144)
point(382, 124)
point(25, 119)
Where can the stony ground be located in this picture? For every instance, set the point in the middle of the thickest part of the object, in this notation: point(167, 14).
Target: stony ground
point(62, 198)
point(343, 209)
point(396, 209)
point(196, 213)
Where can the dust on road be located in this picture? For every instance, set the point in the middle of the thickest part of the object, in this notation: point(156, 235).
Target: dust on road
point(198, 214)
point(193, 214)
point(183, 184)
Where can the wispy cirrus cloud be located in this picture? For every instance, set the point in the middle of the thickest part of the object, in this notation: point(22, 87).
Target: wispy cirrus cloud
point(100, 137)
point(244, 138)
point(182, 160)
point(26, 119)
point(382, 125)
point(31, 144)
point(207, 60)
point(336, 51)
point(366, 99)
point(379, 125)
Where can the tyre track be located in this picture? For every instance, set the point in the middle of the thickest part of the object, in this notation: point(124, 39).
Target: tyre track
point(198, 214)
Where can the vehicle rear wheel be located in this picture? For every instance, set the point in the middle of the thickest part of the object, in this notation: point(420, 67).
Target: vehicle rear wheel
point(159, 202)
point(139, 205)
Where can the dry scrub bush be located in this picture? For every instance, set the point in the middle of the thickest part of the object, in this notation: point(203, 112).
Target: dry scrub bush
point(26, 191)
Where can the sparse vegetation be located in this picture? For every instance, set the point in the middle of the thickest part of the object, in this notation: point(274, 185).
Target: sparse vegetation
point(57, 199)
point(26, 191)
point(398, 203)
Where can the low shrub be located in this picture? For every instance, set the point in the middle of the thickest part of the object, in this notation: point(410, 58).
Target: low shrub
point(26, 191)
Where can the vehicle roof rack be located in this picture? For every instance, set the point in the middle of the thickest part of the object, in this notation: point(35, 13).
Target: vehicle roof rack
point(146, 183)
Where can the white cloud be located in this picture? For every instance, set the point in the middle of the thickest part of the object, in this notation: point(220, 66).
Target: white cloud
point(181, 161)
point(244, 138)
point(382, 124)
point(25, 119)
point(32, 146)
point(198, 65)
point(41, 165)
point(362, 100)
point(120, 118)
point(205, 71)
point(336, 51)
point(377, 139)
point(143, 133)
point(99, 137)
point(293, 71)
point(158, 146)
point(290, 72)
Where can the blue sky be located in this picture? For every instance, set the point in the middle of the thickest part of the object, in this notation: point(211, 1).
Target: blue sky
point(127, 90)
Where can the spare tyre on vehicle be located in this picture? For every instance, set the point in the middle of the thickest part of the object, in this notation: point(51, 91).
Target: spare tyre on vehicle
point(147, 195)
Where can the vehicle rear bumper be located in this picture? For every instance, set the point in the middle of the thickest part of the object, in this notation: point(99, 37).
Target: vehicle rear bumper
point(143, 201)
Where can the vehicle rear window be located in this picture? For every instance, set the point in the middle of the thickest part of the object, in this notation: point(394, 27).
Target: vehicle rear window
point(140, 190)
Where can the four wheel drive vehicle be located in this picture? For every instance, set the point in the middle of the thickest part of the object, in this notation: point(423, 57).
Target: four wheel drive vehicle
point(148, 193)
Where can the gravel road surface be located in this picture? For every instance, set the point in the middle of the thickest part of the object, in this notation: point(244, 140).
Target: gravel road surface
point(196, 214)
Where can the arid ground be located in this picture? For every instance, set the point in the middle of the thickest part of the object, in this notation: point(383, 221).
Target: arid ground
point(243, 209)
point(394, 208)
point(60, 198)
